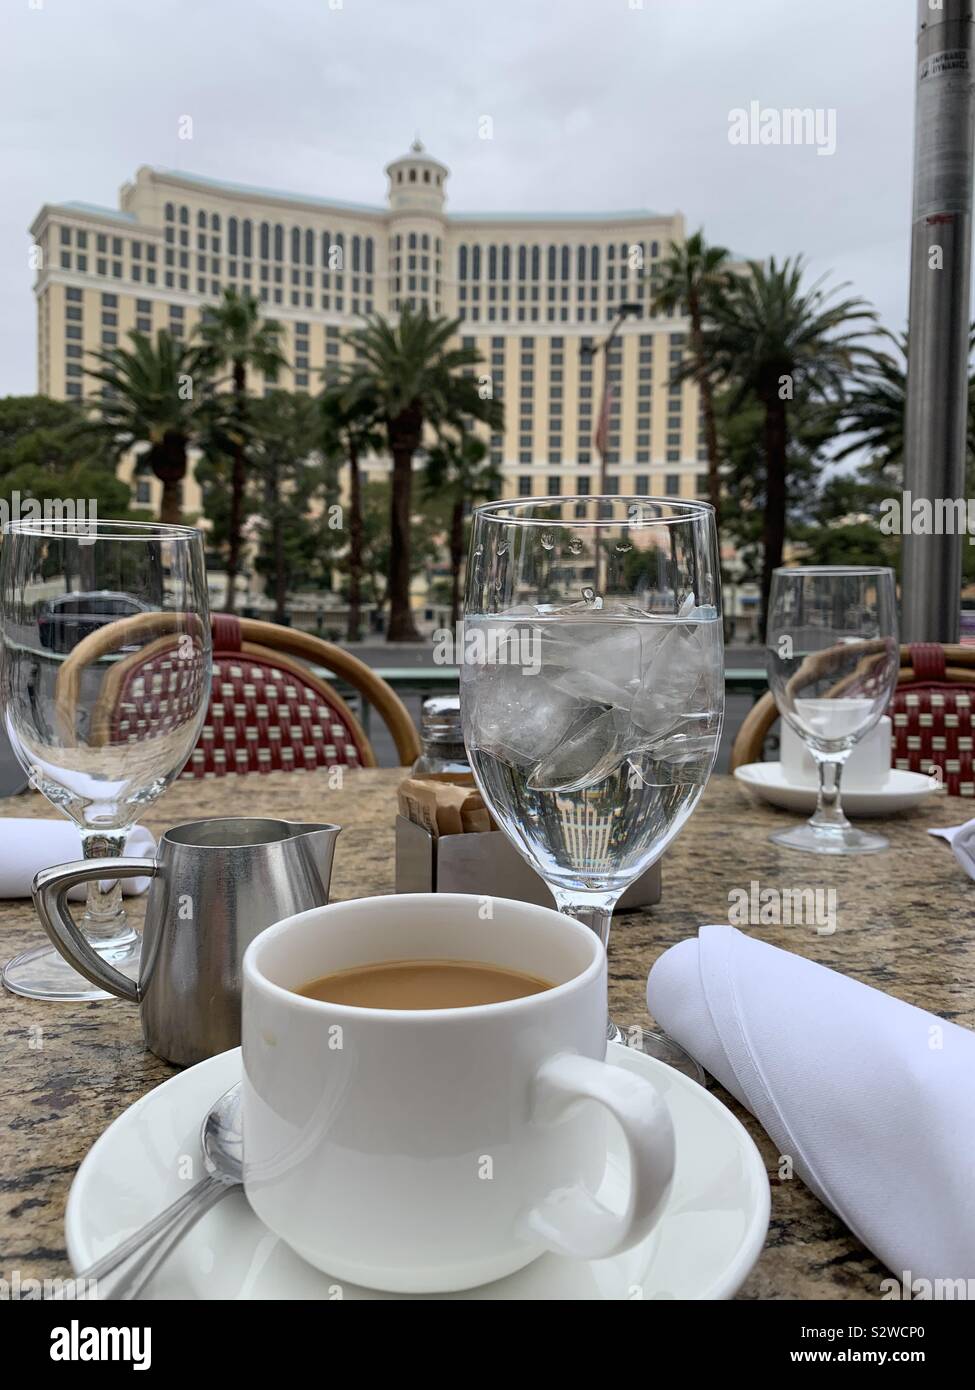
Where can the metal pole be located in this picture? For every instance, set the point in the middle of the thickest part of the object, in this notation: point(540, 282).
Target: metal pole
point(937, 369)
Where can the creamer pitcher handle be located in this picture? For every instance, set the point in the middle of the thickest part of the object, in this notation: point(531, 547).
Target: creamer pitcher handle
point(51, 888)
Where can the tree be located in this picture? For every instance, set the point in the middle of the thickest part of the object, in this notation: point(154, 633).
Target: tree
point(45, 457)
point(295, 485)
point(776, 341)
point(352, 430)
point(871, 416)
point(417, 381)
point(456, 470)
point(153, 397)
point(235, 336)
point(692, 279)
point(427, 526)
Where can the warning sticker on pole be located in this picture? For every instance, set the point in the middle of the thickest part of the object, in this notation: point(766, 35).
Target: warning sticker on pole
point(943, 133)
point(951, 60)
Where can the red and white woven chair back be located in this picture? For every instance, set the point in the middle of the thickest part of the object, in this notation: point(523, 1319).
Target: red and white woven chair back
point(933, 724)
point(265, 718)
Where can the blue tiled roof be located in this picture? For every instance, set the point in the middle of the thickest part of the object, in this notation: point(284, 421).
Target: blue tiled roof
point(642, 213)
point(253, 189)
point(246, 188)
point(97, 208)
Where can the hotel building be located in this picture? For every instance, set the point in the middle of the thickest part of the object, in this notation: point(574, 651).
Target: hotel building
point(534, 292)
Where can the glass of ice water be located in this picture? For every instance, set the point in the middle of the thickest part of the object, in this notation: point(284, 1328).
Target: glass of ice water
point(592, 684)
point(833, 659)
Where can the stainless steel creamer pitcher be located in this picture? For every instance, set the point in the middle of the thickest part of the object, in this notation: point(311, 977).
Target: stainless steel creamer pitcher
point(216, 885)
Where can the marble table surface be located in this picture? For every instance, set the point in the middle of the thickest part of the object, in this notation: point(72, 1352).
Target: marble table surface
point(905, 925)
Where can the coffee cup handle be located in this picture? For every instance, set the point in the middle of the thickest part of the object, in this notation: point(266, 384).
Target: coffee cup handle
point(572, 1221)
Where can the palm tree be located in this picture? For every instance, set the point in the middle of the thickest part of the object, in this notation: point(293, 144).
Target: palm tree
point(152, 397)
point(776, 341)
point(457, 468)
point(352, 428)
point(234, 335)
point(417, 380)
point(872, 414)
point(691, 280)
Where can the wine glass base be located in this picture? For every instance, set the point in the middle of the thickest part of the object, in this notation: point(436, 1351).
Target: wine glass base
point(818, 839)
point(43, 973)
point(653, 1043)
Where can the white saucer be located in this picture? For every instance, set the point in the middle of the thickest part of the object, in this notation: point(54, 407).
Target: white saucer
point(899, 792)
point(704, 1246)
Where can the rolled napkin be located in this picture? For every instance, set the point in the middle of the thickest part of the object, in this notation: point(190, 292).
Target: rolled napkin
point(962, 841)
point(872, 1098)
point(27, 845)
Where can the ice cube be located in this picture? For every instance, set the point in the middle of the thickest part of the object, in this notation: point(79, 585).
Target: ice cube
point(596, 661)
point(588, 754)
point(518, 717)
point(672, 671)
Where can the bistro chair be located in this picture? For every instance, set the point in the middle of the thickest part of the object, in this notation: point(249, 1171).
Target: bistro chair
point(267, 711)
point(931, 712)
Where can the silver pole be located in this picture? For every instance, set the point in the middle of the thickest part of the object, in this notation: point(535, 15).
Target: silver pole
point(937, 369)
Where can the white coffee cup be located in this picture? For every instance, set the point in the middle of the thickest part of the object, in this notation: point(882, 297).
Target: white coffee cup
point(432, 1150)
point(866, 769)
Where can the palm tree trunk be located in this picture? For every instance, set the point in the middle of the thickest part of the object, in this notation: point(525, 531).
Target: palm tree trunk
point(237, 478)
point(773, 536)
point(167, 459)
point(170, 510)
point(355, 545)
point(707, 410)
point(404, 438)
point(456, 558)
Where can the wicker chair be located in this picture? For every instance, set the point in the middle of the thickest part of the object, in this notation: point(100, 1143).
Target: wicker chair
point(933, 714)
point(267, 712)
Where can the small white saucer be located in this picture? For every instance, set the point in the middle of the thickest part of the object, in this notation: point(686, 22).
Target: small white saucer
point(706, 1242)
point(899, 792)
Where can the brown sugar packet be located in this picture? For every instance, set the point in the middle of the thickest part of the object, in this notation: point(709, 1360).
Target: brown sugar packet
point(418, 803)
point(443, 808)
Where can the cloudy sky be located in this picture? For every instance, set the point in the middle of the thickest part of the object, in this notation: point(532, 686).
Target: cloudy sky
point(592, 104)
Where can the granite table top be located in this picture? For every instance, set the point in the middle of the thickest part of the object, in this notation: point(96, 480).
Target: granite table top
point(905, 925)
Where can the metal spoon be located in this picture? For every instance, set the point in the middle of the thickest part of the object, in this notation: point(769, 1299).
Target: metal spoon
point(140, 1256)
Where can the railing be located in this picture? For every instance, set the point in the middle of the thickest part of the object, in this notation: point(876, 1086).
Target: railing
point(421, 681)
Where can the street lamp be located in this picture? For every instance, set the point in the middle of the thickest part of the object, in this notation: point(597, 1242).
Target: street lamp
point(626, 310)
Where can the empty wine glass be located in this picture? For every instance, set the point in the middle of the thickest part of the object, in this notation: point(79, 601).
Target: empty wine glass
point(104, 683)
point(833, 658)
point(592, 687)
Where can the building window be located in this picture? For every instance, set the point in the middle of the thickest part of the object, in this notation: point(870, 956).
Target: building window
point(524, 486)
point(672, 484)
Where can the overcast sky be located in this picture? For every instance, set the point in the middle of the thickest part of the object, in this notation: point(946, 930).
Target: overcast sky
point(594, 104)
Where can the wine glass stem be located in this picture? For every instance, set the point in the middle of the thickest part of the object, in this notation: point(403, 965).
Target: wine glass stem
point(829, 805)
point(593, 910)
point(105, 921)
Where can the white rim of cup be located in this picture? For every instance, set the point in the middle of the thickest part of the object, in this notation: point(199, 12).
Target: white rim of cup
point(466, 1011)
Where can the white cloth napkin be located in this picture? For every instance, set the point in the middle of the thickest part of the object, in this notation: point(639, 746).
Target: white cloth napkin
point(27, 845)
point(873, 1099)
point(962, 841)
